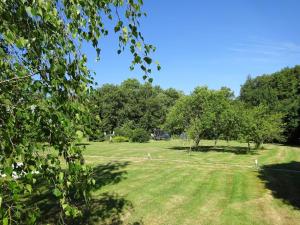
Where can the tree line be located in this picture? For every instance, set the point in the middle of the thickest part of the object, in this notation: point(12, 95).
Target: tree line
point(280, 92)
point(267, 110)
point(216, 114)
point(122, 109)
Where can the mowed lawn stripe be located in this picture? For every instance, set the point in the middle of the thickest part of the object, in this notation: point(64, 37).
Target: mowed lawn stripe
point(240, 189)
point(173, 195)
point(202, 188)
point(198, 196)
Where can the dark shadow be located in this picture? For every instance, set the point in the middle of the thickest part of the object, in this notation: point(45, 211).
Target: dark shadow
point(110, 173)
point(230, 149)
point(107, 208)
point(83, 144)
point(284, 181)
point(294, 145)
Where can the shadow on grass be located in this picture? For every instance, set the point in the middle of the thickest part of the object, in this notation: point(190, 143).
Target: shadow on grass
point(109, 173)
point(107, 208)
point(294, 145)
point(83, 144)
point(230, 149)
point(284, 181)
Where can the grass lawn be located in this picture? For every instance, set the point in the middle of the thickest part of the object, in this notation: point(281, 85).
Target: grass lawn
point(213, 185)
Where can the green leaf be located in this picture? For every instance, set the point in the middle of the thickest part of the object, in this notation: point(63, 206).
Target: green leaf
point(61, 176)
point(5, 221)
point(21, 42)
point(118, 26)
point(139, 46)
point(143, 68)
point(29, 188)
point(137, 59)
point(28, 10)
point(57, 192)
point(125, 30)
point(148, 60)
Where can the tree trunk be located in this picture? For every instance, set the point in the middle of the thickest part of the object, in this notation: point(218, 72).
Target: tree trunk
point(197, 141)
point(216, 140)
point(258, 145)
point(249, 146)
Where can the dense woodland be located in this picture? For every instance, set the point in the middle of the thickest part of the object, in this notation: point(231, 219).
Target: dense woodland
point(267, 110)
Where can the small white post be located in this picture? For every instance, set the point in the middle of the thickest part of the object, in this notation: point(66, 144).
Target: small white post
point(256, 163)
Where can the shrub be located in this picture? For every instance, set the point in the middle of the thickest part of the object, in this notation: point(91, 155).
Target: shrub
point(139, 135)
point(118, 139)
point(96, 136)
point(126, 130)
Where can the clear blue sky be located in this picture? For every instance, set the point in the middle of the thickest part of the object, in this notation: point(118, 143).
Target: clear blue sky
point(213, 42)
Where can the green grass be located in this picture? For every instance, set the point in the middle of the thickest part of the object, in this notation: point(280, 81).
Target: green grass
point(210, 186)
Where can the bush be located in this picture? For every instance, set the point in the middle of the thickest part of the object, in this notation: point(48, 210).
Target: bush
point(140, 135)
point(125, 131)
point(96, 136)
point(118, 139)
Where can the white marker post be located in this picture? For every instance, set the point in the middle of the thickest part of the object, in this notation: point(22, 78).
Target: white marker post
point(256, 163)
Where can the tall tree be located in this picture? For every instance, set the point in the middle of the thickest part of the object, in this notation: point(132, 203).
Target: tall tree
point(140, 105)
point(280, 92)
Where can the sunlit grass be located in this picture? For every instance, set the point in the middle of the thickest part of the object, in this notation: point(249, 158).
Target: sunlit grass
point(213, 186)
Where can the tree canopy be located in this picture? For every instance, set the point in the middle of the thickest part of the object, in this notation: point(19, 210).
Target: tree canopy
point(131, 104)
point(43, 83)
point(280, 92)
point(215, 114)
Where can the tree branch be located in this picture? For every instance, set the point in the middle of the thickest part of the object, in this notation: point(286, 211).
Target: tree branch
point(16, 79)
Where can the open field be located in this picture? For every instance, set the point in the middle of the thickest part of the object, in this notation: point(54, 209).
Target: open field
point(211, 186)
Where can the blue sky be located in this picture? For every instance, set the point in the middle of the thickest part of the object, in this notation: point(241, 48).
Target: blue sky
point(215, 43)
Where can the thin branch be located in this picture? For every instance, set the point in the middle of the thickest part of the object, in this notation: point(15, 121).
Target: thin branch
point(16, 79)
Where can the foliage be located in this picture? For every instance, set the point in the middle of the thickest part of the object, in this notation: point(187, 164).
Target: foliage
point(43, 83)
point(118, 139)
point(130, 132)
point(260, 126)
point(126, 130)
point(140, 135)
point(201, 114)
point(131, 103)
point(177, 119)
point(214, 114)
point(280, 92)
point(231, 121)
